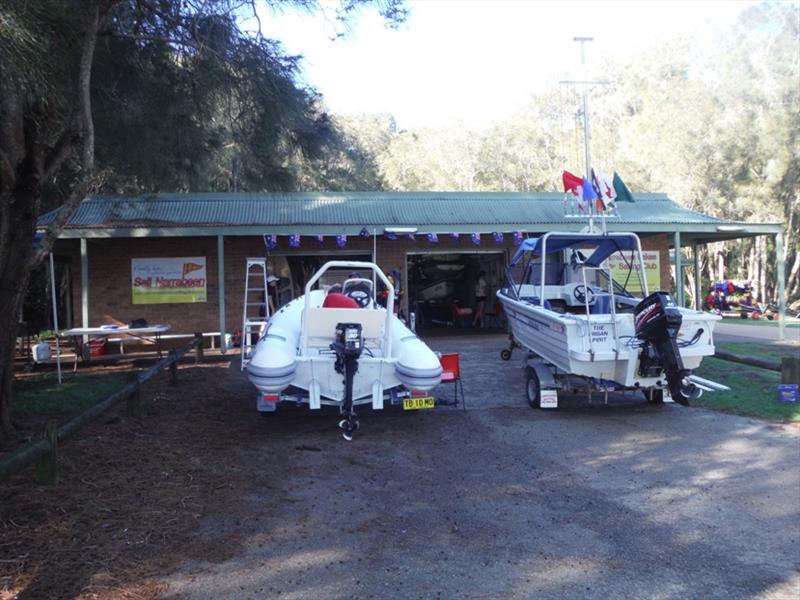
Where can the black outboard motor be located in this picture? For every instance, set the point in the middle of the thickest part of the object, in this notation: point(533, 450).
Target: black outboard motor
point(657, 321)
point(348, 344)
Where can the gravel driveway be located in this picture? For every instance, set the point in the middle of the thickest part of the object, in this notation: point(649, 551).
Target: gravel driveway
point(623, 500)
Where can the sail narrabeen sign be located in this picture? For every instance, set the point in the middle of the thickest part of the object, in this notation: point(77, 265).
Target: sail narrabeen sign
point(168, 280)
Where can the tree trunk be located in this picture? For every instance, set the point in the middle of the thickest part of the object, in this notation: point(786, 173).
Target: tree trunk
point(26, 160)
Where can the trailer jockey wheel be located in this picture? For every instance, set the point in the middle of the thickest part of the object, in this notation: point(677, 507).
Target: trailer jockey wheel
point(505, 354)
point(654, 396)
point(582, 294)
point(533, 389)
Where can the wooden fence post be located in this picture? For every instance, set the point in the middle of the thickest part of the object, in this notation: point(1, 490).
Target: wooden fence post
point(198, 336)
point(790, 369)
point(46, 464)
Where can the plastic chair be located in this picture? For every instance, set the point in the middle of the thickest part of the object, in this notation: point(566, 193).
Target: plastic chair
point(451, 373)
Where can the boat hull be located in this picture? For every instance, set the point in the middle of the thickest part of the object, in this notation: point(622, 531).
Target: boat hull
point(599, 346)
point(282, 358)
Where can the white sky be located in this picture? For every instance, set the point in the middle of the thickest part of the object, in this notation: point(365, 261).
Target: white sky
point(476, 60)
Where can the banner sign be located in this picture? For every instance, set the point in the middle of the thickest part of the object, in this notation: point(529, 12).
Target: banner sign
point(652, 270)
point(168, 280)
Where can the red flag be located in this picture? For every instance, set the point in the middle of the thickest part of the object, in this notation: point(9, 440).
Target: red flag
point(571, 182)
point(574, 185)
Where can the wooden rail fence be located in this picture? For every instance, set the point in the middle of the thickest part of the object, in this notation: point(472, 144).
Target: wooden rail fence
point(44, 451)
point(788, 366)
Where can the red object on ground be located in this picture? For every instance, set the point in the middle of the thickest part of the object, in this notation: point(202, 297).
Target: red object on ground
point(336, 300)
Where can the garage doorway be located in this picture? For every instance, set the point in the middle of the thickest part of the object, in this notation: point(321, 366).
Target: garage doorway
point(442, 285)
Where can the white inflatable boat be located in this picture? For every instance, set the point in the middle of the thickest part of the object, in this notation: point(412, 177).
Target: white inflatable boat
point(337, 346)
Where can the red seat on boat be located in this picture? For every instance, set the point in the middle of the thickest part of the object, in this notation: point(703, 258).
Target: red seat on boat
point(336, 300)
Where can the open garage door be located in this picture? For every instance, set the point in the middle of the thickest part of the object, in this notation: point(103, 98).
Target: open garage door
point(441, 288)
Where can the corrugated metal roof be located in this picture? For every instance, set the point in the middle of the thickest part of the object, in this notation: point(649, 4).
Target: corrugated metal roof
point(447, 211)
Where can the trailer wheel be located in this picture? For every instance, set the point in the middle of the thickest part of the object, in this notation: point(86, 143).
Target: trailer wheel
point(654, 396)
point(505, 354)
point(533, 389)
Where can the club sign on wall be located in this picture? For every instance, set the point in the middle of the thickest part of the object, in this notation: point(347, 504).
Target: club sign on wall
point(168, 280)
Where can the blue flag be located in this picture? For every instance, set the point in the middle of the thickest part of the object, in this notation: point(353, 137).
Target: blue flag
point(588, 191)
point(341, 240)
point(454, 236)
point(294, 241)
point(433, 238)
point(270, 241)
point(321, 239)
point(498, 237)
point(517, 237)
point(364, 232)
point(391, 235)
point(476, 239)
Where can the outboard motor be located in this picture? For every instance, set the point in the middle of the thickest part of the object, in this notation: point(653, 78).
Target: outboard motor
point(657, 321)
point(348, 344)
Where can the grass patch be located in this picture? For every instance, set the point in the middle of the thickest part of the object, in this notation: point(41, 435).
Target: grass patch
point(754, 391)
point(42, 395)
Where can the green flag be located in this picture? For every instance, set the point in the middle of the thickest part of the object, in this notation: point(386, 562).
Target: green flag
point(623, 193)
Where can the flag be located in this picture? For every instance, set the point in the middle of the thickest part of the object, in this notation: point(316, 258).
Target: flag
point(433, 238)
point(517, 238)
point(623, 193)
point(390, 235)
point(498, 237)
point(364, 232)
point(604, 189)
point(454, 236)
point(574, 185)
point(476, 239)
point(294, 241)
point(341, 240)
point(321, 239)
point(411, 237)
point(270, 241)
point(588, 191)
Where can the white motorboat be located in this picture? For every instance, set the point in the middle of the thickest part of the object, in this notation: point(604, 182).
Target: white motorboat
point(337, 346)
point(566, 308)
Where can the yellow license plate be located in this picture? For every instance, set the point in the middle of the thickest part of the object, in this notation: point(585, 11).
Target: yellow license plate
point(417, 403)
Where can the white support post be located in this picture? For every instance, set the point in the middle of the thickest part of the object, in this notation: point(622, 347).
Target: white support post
point(84, 287)
point(678, 269)
point(781, 286)
point(221, 291)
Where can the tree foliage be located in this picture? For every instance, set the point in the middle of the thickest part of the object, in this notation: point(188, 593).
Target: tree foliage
point(139, 96)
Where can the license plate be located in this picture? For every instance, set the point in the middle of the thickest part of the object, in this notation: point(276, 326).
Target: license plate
point(417, 403)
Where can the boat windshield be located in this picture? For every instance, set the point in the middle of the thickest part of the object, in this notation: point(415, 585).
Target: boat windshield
point(568, 258)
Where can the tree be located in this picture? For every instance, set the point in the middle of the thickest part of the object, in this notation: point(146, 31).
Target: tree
point(220, 93)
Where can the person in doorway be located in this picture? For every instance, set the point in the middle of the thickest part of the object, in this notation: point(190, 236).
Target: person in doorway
point(480, 300)
point(272, 293)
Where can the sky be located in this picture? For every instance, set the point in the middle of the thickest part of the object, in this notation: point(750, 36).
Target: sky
point(476, 61)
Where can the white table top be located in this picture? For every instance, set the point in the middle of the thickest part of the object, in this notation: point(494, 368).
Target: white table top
point(115, 330)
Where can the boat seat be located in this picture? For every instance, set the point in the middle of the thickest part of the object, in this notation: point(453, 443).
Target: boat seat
point(337, 300)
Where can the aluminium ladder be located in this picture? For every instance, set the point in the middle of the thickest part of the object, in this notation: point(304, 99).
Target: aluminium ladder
point(255, 306)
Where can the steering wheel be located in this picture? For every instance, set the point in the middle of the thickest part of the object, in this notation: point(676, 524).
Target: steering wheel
point(583, 294)
point(361, 297)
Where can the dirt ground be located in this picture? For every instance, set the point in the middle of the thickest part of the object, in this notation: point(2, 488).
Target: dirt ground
point(129, 496)
point(204, 498)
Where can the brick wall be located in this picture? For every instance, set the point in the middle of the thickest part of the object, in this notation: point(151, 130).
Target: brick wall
point(110, 272)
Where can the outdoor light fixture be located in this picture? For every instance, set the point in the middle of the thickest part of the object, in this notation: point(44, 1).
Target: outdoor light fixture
point(400, 230)
point(730, 228)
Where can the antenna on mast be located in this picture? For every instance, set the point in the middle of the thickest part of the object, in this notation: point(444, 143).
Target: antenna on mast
point(584, 83)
